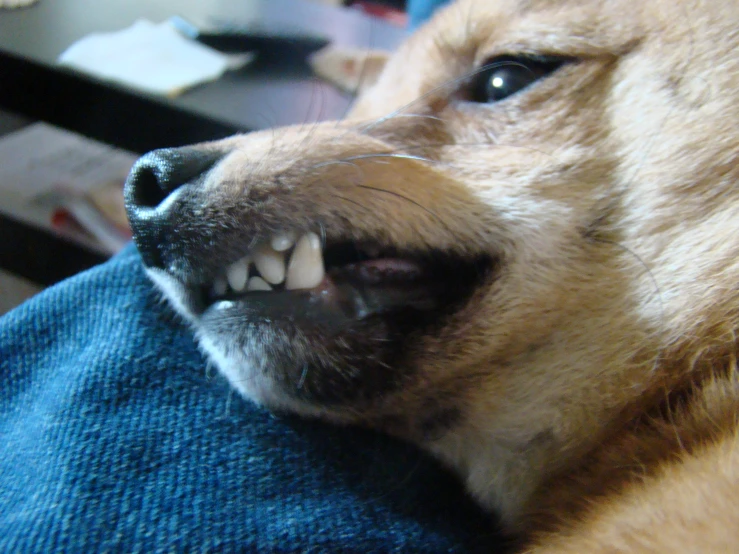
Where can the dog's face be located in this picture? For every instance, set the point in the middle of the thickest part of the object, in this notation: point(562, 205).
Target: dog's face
point(523, 228)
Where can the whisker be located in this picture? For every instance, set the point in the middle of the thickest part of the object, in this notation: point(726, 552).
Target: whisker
point(259, 164)
point(472, 145)
point(387, 155)
point(403, 197)
point(332, 162)
point(362, 71)
point(360, 170)
point(345, 199)
point(320, 86)
point(323, 234)
point(229, 400)
point(399, 153)
point(652, 278)
point(422, 116)
point(397, 195)
point(303, 375)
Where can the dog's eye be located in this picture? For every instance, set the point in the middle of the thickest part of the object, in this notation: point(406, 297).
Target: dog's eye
point(505, 76)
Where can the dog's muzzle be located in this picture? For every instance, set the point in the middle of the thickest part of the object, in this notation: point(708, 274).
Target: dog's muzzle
point(326, 320)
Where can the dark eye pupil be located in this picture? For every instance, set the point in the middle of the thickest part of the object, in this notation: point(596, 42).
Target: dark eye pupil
point(505, 77)
point(506, 81)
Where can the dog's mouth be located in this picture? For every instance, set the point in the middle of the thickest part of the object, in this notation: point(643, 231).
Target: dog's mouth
point(302, 279)
point(327, 322)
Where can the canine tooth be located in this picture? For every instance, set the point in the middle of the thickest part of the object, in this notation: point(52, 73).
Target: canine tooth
point(270, 264)
point(238, 273)
point(305, 269)
point(220, 286)
point(257, 283)
point(282, 242)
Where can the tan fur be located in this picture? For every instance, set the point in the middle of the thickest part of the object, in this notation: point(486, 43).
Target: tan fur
point(596, 372)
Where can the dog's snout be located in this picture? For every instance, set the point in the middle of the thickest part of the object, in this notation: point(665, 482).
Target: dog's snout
point(154, 179)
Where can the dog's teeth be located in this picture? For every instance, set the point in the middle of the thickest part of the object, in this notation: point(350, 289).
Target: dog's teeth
point(238, 273)
point(305, 269)
point(282, 242)
point(220, 286)
point(270, 264)
point(257, 283)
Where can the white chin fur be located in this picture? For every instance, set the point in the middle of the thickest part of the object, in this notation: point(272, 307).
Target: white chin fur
point(172, 290)
point(253, 383)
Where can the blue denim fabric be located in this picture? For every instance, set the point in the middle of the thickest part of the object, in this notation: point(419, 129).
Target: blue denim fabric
point(420, 10)
point(115, 437)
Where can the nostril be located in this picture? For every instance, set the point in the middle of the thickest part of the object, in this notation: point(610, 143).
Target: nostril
point(146, 190)
point(159, 173)
point(151, 199)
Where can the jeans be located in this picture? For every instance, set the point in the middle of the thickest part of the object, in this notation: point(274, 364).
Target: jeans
point(117, 437)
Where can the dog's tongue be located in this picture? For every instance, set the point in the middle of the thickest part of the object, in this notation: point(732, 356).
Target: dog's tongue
point(384, 284)
point(384, 271)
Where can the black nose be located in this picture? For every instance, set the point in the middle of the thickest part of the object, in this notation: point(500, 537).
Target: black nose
point(153, 179)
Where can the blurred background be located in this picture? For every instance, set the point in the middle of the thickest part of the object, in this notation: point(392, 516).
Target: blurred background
point(88, 86)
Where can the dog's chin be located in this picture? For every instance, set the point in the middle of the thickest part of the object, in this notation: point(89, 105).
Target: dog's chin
point(340, 346)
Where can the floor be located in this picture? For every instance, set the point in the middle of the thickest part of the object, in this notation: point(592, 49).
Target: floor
point(14, 290)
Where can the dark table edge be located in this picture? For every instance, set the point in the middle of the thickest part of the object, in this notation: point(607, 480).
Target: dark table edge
point(81, 104)
point(40, 257)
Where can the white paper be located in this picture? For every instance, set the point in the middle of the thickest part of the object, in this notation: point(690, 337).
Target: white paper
point(150, 57)
point(40, 157)
point(43, 168)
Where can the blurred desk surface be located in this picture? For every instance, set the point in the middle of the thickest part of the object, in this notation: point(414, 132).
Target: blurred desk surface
point(266, 93)
point(261, 95)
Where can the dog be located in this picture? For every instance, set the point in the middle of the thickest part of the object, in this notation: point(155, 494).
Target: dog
point(520, 251)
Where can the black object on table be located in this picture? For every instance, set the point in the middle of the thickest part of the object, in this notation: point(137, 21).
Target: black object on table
point(267, 93)
point(228, 37)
